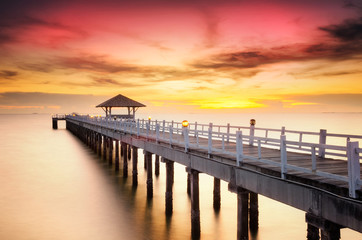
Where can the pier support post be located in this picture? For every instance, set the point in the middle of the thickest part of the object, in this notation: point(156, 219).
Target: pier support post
point(195, 205)
point(90, 139)
point(328, 229)
point(116, 158)
point(217, 195)
point(242, 222)
point(125, 163)
point(134, 166)
point(145, 160)
point(312, 232)
point(148, 157)
point(169, 183)
point(55, 123)
point(254, 213)
point(99, 144)
point(94, 144)
point(104, 148)
point(157, 165)
point(86, 133)
point(188, 183)
point(129, 152)
point(110, 152)
point(331, 234)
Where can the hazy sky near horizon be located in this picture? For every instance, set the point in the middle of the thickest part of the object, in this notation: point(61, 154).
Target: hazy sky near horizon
point(235, 56)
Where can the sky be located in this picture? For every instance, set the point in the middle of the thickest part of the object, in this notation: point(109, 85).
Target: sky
point(181, 56)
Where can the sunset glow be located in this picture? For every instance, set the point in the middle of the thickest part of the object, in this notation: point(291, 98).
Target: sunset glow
point(182, 55)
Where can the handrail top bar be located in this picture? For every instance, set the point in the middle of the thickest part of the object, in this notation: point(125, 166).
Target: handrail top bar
point(225, 126)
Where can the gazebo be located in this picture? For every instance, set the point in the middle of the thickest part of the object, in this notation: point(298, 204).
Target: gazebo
point(121, 101)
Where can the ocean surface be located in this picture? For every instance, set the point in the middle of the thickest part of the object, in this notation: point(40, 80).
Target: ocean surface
point(52, 186)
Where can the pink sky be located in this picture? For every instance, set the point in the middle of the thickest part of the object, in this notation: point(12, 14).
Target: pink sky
point(268, 56)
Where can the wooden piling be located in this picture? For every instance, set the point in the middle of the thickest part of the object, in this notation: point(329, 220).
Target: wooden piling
point(125, 163)
point(331, 234)
point(188, 184)
point(195, 205)
point(145, 160)
point(134, 166)
point(110, 152)
point(254, 212)
point(242, 215)
point(129, 152)
point(149, 175)
point(94, 143)
point(157, 165)
point(217, 195)
point(55, 123)
point(99, 145)
point(104, 148)
point(328, 230)
point(169, 183)
point(116, 158)
point(312, 232)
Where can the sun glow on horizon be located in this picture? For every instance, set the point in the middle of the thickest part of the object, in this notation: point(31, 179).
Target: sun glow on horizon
point(227, 55)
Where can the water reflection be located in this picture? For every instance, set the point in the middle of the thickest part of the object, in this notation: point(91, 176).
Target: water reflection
point(53, 187)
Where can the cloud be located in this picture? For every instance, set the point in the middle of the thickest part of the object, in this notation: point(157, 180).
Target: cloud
point(8, 74)
point(48, 102)
point(349, 30)
point(21, 26)
point(107, 81)
point(342, 41)
point(211, 31)
point(94, 63)
point(354, 100)
point(37, 67)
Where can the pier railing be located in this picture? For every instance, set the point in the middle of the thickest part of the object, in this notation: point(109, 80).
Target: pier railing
point(230, 140)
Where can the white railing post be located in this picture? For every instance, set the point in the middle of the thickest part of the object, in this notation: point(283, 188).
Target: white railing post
point(223, 142)
point(228, 132)
point(252, 132)
point(186, 137)
point(163, 128)
point(157, 133)
point(283, 131)
point(314, 159)
point(147, 129)
point(353, 168)
point(171, 133)
point(259, 148)
point(197, 138)
point(138, 127)
point(283, 156)
point(239, 148)
point(209, 145)
point(195, 128)
point(322, 141)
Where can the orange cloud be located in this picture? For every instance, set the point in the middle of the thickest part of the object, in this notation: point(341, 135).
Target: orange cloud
point(20, 107)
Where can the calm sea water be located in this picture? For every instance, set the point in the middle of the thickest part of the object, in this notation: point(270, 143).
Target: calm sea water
point(54, 187)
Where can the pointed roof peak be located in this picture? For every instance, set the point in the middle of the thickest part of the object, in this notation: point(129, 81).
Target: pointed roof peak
point(120, 101)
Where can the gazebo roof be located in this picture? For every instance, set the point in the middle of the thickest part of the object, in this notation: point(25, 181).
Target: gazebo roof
point(121, 101)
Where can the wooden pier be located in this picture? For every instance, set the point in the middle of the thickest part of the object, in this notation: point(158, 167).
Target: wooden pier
point(56, 118)
point(321, 179)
